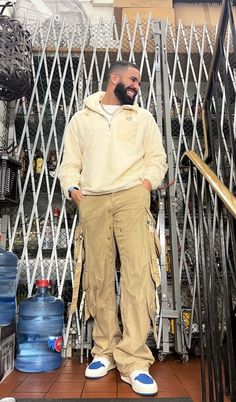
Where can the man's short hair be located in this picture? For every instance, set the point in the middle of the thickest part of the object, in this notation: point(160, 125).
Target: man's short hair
point(117, 65)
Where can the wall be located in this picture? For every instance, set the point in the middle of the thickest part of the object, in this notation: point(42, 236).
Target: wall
point(198, 14)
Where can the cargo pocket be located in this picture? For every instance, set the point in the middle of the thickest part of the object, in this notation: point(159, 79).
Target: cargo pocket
point(78, 262)
point(77, 239)
point(89, 308)
point(155, 249)
point(88, 299)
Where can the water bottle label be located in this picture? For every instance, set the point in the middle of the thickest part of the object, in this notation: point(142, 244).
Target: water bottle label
point(55, 343)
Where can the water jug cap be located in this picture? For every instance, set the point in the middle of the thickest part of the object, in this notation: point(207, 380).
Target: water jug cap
point(43, 283)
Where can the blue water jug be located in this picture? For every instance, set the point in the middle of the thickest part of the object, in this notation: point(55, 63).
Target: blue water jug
point(39, 331)
point(8, 272)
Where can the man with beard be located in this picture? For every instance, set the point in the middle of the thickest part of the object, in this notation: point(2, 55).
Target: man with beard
point(113, 157)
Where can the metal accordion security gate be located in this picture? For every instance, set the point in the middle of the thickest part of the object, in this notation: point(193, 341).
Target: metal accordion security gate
point(69, 63)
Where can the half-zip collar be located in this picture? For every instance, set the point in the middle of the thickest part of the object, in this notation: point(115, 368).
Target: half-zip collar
point(92, 102)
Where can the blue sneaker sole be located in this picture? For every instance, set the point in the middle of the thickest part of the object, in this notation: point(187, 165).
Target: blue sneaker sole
point(127, 380)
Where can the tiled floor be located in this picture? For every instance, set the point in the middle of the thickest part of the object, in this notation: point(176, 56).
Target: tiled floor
point(175, 379)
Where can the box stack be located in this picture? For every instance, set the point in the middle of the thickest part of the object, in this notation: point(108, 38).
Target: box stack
point(7, 349)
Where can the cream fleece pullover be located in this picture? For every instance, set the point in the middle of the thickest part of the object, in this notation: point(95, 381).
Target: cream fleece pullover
point(102, 156)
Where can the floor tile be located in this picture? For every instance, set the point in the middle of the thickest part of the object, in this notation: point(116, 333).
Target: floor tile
point(170, 384)
point(6, 388)
point(174, 378)
point(123, 387)
point(68, 377)
point(16, 375)
point(104, 395)
point(33, 387)
point(173, 394)
point(191, 383)
point(61, 395)
point(129, 395)
point(41, 377)
point(161, 372)
point(75, 362)
point(22, 395)
point(4, 393)
point(67, 387)
point(97, 386)
point(195, 395)
point(111, 377)
point(65, 361)
point(73, 369)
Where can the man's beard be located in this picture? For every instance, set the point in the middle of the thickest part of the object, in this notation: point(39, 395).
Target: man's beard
point(121, 93)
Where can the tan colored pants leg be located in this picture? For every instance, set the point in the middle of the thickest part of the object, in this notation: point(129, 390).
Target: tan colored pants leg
point(99, 272)
point(137, 286)
point(121, 215)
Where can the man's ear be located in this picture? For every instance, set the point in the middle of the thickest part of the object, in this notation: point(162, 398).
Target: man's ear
point(115, 78)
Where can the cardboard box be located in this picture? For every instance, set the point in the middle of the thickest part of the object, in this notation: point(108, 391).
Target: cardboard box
point(160, 13)
point(7, 350)
point(141, 3)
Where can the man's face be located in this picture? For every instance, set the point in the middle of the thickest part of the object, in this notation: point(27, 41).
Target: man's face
point(127, 88)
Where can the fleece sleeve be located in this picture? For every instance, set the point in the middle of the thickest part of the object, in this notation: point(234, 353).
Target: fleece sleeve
point(154, 154)
point(71, 166)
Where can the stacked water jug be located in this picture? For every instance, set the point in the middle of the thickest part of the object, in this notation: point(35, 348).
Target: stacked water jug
point(8, 273)
point(40, 320)
point(39, 331)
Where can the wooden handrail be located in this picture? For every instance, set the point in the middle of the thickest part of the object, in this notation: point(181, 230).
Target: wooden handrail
point(228, 199)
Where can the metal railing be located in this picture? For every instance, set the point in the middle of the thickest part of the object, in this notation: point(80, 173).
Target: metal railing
point(213, 208)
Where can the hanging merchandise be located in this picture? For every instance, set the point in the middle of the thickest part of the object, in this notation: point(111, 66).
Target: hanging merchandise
point(22, 163)
point(8, 272)
point(33, 237)
point(62, 239)
point(8, 181)
point(52, 163)
point(179, 104)
point(15, 59)
point(39, 331)
point(56, 216)
point(38, 161)
point(48, 237)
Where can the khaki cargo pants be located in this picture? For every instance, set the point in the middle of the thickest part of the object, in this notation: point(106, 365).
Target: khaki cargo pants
point(121, 219)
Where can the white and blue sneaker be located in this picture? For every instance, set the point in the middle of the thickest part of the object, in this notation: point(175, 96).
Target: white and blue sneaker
point(141, 382)
point(99, 367)
point(8, 399)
